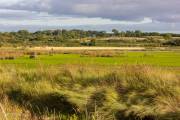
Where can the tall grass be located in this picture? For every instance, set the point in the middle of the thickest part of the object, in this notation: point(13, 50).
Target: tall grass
point(91, 93)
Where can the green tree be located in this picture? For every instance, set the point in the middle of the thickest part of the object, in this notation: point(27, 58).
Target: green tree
point(167, 36)
point(93, 42)
point(115, 32)
point(23, 32)
point(138, 33)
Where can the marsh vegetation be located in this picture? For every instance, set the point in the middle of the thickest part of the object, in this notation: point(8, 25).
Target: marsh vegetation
point(127, 92)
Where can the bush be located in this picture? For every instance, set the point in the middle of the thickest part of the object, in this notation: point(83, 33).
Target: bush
point(172, 42)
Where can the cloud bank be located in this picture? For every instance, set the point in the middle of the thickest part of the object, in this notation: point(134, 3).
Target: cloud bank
point(88, 12)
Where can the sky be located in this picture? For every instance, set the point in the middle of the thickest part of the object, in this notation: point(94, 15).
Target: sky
point(145, 15)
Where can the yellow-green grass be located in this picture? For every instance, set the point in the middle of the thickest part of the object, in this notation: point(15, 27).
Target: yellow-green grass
point(170, 59)
point(92, 86)
point(128, 92)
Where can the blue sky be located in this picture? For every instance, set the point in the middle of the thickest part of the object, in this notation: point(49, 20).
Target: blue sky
point(146, 15)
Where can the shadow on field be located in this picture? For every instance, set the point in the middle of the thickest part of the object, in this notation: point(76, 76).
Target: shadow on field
point(122, 115)
point(43, 104)
point(56, 103)
point(132, 116)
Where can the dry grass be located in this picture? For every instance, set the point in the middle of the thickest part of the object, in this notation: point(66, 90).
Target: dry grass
point(102, 53)
point(10, 54)
point(91, 93)
point(87, 48)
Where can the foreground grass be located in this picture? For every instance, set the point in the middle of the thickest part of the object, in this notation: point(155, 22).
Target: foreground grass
point(128, 92)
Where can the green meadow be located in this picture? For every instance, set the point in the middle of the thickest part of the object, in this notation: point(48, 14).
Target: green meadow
point(168, 58)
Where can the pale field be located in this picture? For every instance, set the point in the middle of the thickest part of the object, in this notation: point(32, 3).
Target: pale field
point(87, 48)
point(122, 38)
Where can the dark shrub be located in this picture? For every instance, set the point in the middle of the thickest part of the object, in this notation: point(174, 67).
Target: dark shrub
point(32, 55)
point(172, 42)
point(10, 58)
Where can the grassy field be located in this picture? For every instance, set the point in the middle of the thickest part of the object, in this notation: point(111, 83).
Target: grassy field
point(79, 92)
point(169, 58)
point(90, 85)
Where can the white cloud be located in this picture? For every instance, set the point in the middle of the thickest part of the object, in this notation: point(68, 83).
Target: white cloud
point(9, 2)
point(86, 8)
point(23, 17)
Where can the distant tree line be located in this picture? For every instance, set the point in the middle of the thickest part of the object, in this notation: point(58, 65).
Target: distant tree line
point(47, 37)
